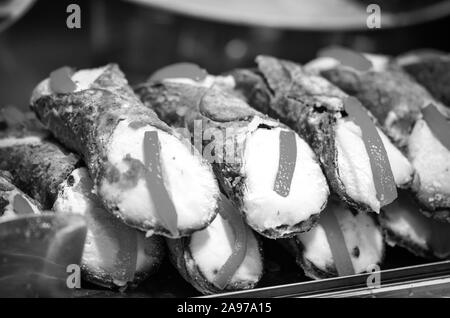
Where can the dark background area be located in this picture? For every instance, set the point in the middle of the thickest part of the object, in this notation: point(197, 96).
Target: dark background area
point(141, 40)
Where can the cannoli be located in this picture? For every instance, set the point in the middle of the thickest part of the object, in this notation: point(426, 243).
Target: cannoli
point(405, 226)
point(141, 169)
point(225, 256)
point(344, 243)
point(37, 165)
point(337, 127)
point(13, 202)
point(409, 115)
point(430, 69)
point(266, 169)
point(392, 96)
point(114, 254)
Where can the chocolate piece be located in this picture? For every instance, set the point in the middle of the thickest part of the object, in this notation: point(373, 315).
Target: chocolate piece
point(336, 240)
point(438, 124)
point(286, 165)
point(383, 178)
point(61, 82)
point(347, 57)
point(225, 274)
point(155, 182)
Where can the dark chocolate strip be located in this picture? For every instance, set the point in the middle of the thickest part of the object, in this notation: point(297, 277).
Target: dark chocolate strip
point(179, 70)
point(21, 205)
point(61, 81)
point(336, 240)
point(383, 178)
point(155, 183)
point(226, 272)
point(438, 124)
point(347, 57)
point(286, 163)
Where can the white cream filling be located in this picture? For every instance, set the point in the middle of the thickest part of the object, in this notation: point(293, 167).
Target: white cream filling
point(430, 158)
point(391, 118)
point(263, 206)
point(15, 141)
point(403, 227)
point(405, 220)
point(189, 182)
point(211, 248)
point(379, 62)
point(83, 80)
point(402, 169)
point(210, 80)
point(101, 246)
point(325, 63)
point(354, 164)
point(359, 231)
point(321, 64)
point(408, 59)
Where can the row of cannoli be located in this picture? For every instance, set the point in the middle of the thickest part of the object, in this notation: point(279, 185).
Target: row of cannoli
point(299, 97)
point(246, 147)
point(327, 159)
point(208, 241)
point(414, 120)
point(407, 113)
point(407, 97)
point(217, 103)
point(57, 180)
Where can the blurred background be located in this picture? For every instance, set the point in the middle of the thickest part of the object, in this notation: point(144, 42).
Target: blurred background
point(144, 35)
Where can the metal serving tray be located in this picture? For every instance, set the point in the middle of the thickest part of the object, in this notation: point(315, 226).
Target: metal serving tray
point(412, 281)
point(402, 274)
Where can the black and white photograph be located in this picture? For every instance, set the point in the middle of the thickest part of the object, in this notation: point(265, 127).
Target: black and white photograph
point(247, 150)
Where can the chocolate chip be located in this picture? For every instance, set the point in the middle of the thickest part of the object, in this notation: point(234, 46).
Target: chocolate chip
point(355, 251)
point(71, 181)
